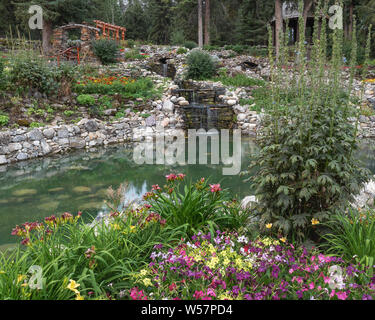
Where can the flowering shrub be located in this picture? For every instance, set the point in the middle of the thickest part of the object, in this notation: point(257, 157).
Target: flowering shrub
point(228, 266)
point(194, 206)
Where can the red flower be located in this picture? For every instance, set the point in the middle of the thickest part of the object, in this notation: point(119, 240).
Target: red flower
point(215, 187)
point(171, 177)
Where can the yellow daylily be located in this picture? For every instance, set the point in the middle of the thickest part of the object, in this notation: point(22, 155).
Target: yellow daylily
point(79, 297)
point(314, 221)
point(283, 239)
point(73, 286)
point(269, 225)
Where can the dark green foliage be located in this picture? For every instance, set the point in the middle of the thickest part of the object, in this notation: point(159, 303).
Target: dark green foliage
point(201, 66)
point(307, 160)
point(33, 72)
point(190, 45)
point(105, 50)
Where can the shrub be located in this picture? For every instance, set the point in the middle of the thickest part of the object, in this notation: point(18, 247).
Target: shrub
point(307, 165)
point(352, 234)
point(105, 50)
point(86, 100)
point(4, 120)
point(181, 50)
point(130, 43)
point(33, 72)
point(134, 55)
point(190, 45)
point(201, 66)
point(239, 80)
point(177, 38)
point(2, 77)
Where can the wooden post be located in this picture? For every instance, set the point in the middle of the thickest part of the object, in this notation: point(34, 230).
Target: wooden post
point(78, 60)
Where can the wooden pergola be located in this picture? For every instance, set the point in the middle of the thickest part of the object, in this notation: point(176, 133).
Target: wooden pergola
point(107, 28)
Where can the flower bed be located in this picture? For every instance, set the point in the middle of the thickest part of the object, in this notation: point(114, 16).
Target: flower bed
point(229, 266)
point(146, 253)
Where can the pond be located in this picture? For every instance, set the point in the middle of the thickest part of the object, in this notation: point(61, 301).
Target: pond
point(30, 191)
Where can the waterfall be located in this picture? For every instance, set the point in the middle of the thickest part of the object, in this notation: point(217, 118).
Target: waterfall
point(165, 69)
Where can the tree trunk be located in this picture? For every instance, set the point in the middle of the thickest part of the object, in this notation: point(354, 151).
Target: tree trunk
point(306, 8)
point(350, 27)
point(46, 36)
point(200, 24)
point(278, 25)
point(207, 39)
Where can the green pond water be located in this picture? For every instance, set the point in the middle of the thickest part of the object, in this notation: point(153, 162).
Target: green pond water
point(30, 191)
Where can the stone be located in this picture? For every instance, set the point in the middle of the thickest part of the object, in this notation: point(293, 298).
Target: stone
point(3, 160)
point(4, 138)
point(63, 133)
point(110, 112)
point(151, 121)
point(91, 126)
point(49, 133)
point(184, 103)
point(248, 202)
point(24, 192)
point(165, 122)
point(22, 156)
point(168, 106)
point(241, 117)
point(35, 134)
point(77, 143)
point(231, 102)
point(46, 149)
point(14, 147)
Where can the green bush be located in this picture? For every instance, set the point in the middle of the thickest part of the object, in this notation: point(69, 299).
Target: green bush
point(4, 120)
point(86, 100)
point(239, 80)
point(181, 50)
point(352, 234)
point(35, 73)
point(307, 164)
point(177, 38)
point(105, 50)
point(201, 66)
point(130, 43)
point(190, 45)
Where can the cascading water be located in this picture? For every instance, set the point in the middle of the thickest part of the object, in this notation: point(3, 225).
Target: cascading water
point(204, 111)
point(165, 69)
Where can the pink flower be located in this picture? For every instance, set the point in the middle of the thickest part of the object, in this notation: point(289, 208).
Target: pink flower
point(291, 270)
point(211, 292)
point(215, 187)
point(342, 295)
point(181, 176)
point(155, 187)
point(172, 287)
point(171, 177)
point(332, 294)
point(311, 286)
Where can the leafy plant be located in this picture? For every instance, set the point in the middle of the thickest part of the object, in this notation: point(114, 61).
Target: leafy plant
point(181, 50)
point(190, 45)
point(194, 206)
point(105, 50)
point(240, 80)
point(201, 66)
point(352, 234)
point(177, 37)
point(307, 168)
point(4, 120)
point(86, 100)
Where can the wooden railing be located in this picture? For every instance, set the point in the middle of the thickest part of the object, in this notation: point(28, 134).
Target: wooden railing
point(68, 54)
